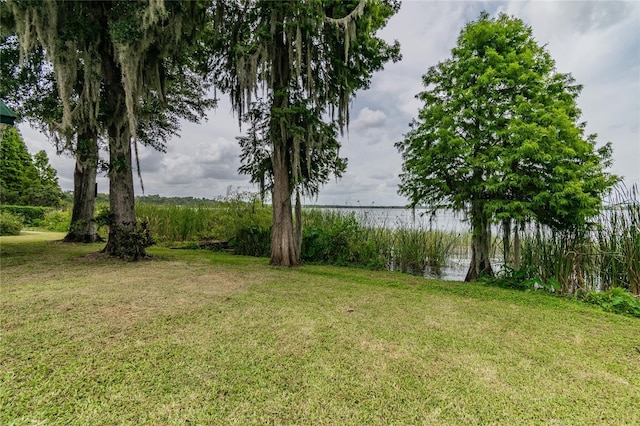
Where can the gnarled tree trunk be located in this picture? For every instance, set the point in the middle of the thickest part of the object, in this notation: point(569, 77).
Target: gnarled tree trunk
point(121, 192)
point(83, 226)
point(283, 241)
point(480, 244)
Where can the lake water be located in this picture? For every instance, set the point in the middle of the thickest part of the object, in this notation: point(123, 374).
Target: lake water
point(399, 217)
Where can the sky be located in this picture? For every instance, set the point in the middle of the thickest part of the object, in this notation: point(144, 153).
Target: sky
point(598, 42)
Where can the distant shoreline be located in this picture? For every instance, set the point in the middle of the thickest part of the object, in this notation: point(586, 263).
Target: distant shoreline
point(331, 206)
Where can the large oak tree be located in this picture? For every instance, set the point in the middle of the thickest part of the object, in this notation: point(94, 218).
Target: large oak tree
point(123, 51)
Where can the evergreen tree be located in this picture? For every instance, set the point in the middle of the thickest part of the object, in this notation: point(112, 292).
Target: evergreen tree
point(499, 138)
point(25, 180)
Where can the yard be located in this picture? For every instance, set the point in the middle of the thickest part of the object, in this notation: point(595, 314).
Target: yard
point(198, 337)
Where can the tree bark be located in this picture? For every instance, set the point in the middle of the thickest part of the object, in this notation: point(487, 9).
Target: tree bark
point(516, 246)
point(121, 192)
point(298, 228)
point(506, 241)
point(480, 244)
point(283, 247)
point(83, 226)
point(283, 237)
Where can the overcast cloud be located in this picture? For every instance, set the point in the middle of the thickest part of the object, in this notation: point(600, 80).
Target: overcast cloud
point(598, 42)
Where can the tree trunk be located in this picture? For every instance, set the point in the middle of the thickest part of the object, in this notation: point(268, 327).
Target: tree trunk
point(283, 241)
point(83, 226)
point(516, 246)
point(506, 241)
point(480, 244)
point(283, 238)
point(298, 228)
point(121, 193)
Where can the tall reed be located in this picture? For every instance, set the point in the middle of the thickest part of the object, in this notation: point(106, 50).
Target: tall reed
point(220, 221)
point(601, 257)
point(618, 236)
point(334, 236)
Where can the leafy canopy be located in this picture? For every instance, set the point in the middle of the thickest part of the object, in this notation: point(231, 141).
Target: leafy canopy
point(26, 180)
point(500, 130)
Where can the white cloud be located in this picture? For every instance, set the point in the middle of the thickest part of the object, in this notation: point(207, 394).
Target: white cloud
point(369, 119)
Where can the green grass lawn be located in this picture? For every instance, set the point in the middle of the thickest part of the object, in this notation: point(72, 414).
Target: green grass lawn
point(195, 337)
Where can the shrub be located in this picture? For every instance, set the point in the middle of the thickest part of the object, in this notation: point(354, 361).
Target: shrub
point(27, 214)
point(55, 221)
point(130, 242)
point(522, 279)
point(336, 241)
point(252, 241)
point(9, 224)
point(616, 300)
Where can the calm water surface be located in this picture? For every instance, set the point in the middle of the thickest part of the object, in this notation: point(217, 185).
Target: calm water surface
point(399, 217)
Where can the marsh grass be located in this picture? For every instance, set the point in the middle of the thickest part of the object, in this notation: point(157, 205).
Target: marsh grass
point(603, 257)
point(342, 238)
point(618, 238)
point(209, 338)
point(220, 221)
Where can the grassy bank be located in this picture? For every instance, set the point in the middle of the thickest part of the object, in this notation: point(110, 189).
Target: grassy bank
point(210, 338)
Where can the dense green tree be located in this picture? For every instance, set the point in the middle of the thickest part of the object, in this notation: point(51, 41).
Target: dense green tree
point(121, 51)
point(29, 86)
point(26, 180)
point(317, 163)
point(499, 138)
point(17, 172)
point(309, 57)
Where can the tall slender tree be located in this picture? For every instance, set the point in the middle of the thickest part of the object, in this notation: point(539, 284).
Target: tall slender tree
point(308, 54)
point(499, 138)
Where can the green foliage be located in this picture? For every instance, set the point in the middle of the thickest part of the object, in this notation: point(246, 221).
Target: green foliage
point(522, 279)
point(499, 135)
point(103, 217)
point(17, 172)
point(27, 86)
point(23, 179)
point(605, 257)
point(338, 243)
point(239, 210)
point(310, 58)
point(55, 221)
point(616, 300)
point(176, 223)
point(318, 155)
point(219, 220)
point(29, 215)
point(167, 201)
point(252, 241)
point(10, 224)
point(130, 241)
point(618, 238)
